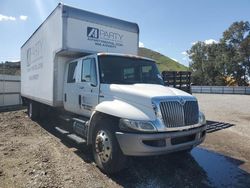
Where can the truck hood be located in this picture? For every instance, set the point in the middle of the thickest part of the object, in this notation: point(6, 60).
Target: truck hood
point(140, 93)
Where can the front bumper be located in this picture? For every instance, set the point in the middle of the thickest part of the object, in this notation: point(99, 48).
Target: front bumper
point(139, 144)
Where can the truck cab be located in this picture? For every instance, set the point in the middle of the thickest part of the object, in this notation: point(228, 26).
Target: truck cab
point(87, 79)
point(128, 110)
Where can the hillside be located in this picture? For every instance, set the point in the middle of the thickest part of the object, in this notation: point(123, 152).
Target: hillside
point(10, 68)
point(163, 62)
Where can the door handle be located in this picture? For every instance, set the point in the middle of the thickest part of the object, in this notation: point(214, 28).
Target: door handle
point(79, 100)
point(65, 97)
point(81, 87)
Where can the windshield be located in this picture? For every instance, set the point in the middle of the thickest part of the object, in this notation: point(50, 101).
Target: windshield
point(128, 70)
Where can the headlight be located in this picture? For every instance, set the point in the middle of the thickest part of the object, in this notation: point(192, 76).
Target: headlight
point(147, 126)
point(202, 119)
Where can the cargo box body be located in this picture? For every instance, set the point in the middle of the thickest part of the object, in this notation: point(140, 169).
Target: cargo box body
point(66, 34)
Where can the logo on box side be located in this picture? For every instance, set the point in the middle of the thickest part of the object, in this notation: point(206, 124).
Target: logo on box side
point(93, 32)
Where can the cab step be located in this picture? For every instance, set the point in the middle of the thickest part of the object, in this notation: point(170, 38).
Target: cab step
point(62, 131)
point(80, 120)
point(76, 139)
point(72, 136)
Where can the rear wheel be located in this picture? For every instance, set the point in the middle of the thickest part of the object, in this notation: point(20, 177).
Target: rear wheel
point(107, 153)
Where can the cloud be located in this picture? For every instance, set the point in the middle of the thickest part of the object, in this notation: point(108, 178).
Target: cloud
point(193, 43)
point(9, 59)
point(12, 18)
point(210, 41)
point(141, 45)
point(6, 18)
point(174, 59)
point(184, 53)
point(13, 60)
point(22, 17)
point(207, 42)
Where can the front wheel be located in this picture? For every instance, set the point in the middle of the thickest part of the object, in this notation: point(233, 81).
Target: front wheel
point(107, 153)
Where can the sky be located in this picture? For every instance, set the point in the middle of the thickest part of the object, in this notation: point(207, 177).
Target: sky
point(167, 26)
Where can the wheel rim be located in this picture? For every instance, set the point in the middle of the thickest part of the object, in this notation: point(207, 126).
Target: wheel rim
point(103, 146)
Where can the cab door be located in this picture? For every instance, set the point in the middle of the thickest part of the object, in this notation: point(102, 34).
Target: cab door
point(73, 87)
point(69, 85)
point(89, 80)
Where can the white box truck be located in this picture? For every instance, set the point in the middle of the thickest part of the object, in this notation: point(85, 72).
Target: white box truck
point(85, 65)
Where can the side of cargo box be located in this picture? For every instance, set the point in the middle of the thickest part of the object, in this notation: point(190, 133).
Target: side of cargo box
point(69, 33)
point(37, 60)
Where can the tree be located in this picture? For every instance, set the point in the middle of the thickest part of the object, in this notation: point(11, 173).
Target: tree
point(198, 57)
point(204, 64)
point(213, 64)
point(237, 40)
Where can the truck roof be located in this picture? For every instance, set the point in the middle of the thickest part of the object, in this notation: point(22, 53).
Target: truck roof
point(124, 55)
point(73, 12)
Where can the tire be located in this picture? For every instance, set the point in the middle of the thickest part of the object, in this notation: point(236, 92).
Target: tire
point(106, 150)
point(33, 110)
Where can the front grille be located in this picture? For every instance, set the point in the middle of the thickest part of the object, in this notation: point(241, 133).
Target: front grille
point(191, 112)
point(175, 114)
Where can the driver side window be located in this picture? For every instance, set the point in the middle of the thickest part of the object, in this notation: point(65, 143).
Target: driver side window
point(89, 71)
point(71, 72)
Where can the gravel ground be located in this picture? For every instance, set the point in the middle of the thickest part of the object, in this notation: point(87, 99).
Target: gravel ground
point(228, 109)
point(32, 154)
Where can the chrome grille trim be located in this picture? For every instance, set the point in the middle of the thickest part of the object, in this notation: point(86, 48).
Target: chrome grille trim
point(191, 112)
point(174, 114)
